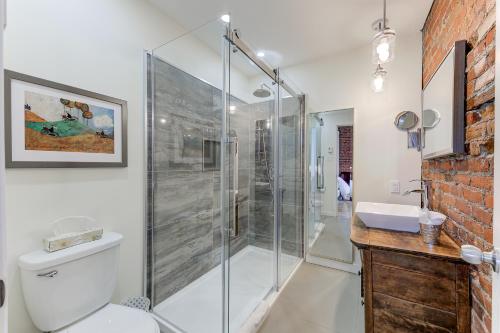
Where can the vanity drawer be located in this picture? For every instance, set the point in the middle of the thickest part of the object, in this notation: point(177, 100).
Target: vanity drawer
point(415, 287)
point(424, 265)
point(399, 316)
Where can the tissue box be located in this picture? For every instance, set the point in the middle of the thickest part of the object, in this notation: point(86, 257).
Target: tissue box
point(66, 240)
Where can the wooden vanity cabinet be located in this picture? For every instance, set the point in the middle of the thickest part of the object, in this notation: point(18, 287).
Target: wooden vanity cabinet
point(409, 286)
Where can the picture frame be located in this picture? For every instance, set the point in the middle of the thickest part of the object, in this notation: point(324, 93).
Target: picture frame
point(53, 125)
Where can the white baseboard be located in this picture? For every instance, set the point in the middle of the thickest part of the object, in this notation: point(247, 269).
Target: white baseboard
point(350, 268)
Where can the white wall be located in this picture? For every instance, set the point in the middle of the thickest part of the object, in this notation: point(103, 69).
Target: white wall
point(329, 140)
point(342, 81)
point(95, 45)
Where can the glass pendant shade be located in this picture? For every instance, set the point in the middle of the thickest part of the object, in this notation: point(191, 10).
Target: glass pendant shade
point(378, 79)
point(384, 45)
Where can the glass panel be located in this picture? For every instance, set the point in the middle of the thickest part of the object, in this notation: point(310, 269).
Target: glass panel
point(184, 181)
point(315, 192)
point(252, 260)
point(290, 171)
point(330, 136)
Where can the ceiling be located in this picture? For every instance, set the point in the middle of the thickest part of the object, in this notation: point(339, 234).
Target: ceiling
point(297, 31)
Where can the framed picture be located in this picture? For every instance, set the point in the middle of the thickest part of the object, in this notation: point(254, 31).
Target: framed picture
point(51, 125)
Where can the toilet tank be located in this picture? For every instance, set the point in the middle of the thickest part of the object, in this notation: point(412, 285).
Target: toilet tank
point(62, 287)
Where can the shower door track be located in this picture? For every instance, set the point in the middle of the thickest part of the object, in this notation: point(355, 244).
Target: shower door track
point(233, 38)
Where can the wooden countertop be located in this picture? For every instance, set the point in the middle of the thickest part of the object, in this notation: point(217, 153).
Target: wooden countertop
point(364, 237)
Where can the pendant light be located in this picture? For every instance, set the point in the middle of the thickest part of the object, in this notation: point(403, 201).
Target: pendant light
point(378, 79)
point(384, 41)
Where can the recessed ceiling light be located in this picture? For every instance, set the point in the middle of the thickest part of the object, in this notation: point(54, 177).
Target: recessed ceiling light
point(260, 54)
point(226, 18)
point(163, 120)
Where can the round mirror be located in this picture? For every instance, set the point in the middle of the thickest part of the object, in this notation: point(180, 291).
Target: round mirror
point(430, 118)
point(406, 120)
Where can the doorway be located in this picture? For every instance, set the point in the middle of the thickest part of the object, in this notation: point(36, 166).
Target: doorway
point(329, 190)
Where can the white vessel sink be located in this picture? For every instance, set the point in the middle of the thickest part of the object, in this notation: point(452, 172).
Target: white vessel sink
point(389, 216)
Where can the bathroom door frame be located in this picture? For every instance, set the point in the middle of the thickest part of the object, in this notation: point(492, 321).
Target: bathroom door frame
point(355, 266)
point(496, 198)
point(3, 238)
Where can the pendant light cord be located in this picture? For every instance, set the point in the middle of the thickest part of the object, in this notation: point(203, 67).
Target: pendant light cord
point(384, 19)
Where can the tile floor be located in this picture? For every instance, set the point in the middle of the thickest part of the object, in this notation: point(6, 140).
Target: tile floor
point(317, 300)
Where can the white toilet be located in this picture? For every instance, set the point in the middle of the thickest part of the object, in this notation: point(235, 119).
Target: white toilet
point(68, 291)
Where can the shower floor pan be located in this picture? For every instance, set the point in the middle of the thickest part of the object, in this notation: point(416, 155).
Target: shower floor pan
point(197, 308)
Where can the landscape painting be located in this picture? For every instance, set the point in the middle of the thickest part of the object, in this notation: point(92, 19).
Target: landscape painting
point(53, 125)
point(59, 124)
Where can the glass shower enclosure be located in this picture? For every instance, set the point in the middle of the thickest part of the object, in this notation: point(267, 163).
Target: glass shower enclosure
point(224, 196)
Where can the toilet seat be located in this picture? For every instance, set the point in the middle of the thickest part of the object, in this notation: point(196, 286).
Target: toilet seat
point(115, 319)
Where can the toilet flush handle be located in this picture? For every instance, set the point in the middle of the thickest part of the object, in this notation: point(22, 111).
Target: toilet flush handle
point(50, 274)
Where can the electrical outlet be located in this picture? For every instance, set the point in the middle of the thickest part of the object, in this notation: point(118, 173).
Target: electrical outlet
point(394, 186)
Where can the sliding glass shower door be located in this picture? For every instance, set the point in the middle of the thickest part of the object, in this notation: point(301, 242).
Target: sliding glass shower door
point(252, 104)
point(224, 193)
point(290, 176)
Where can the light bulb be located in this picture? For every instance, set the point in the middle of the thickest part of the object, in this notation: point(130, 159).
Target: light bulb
point(378, 84)
point(378, 80)
point(383, 51)
point(226, 18)
point(383, 46)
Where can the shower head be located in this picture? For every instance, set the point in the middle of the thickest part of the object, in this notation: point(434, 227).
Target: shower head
point(262, 92)
point(320, 120)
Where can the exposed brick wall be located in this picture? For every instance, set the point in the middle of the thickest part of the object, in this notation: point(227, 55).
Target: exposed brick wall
point(345, 148)
point(462, 186)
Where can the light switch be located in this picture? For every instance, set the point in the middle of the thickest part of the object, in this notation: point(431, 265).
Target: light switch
point(394, 185)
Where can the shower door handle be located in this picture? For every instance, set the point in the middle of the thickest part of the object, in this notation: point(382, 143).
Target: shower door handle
point(320, 175)
point(2, 293)
point(234, 228)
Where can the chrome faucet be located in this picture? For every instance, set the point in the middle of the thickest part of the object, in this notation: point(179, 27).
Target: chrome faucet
point(423, 190)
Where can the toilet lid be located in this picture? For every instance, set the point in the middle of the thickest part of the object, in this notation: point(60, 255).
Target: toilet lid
point(115, 319)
